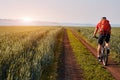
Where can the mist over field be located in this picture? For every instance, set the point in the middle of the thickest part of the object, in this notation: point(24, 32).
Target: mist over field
point(9, 22)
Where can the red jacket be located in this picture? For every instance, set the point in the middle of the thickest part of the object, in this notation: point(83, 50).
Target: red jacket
point(104, 27)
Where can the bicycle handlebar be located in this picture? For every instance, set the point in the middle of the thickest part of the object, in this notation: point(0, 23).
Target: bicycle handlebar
point(95, 37)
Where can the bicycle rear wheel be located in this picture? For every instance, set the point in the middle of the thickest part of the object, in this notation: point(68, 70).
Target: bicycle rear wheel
point(105, 57)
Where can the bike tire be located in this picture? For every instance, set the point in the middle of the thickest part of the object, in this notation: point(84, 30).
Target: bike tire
point(105, 58)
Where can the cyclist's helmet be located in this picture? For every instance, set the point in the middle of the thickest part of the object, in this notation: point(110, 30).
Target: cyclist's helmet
point(103, 17)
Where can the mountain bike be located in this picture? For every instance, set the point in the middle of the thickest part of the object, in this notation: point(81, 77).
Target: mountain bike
point(104, 53)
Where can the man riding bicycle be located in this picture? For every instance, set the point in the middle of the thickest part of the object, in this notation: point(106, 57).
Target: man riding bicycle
point(104, 28)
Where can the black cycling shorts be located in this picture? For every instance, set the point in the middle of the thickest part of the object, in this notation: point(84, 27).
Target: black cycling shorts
point(103, 37)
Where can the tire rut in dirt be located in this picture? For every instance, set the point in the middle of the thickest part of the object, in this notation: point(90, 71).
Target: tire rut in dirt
point(69, 69)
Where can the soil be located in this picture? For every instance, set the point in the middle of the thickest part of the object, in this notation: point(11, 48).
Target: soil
point(69, 69)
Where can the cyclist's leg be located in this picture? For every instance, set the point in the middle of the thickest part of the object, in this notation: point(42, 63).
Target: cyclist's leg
point(107, 45)
point(107, 39)
point(99, 50)
point(100, 42)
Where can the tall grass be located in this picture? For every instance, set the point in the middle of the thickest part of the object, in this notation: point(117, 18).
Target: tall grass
point(23, 55)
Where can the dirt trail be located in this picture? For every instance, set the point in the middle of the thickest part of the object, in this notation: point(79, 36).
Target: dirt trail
point(112, 66)
point(69, 69)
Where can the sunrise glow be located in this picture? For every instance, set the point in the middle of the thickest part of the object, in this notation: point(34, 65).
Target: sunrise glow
point(27, 19)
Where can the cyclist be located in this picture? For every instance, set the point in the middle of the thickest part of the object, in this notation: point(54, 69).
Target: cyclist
point(104, 29)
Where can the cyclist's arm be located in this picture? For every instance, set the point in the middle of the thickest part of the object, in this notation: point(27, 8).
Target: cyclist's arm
point(95, 31)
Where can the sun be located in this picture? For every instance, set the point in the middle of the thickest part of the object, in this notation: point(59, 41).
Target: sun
point(27, 19)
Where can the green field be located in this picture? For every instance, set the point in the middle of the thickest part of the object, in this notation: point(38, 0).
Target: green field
point(87, 33)
point(25, 51)
point(33, 53)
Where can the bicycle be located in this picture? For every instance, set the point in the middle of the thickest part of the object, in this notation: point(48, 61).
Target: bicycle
point(104, 53)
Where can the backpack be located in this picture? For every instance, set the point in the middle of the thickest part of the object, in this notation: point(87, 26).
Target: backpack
point(105, 27)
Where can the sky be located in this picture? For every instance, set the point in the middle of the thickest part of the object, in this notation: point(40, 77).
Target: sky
point(67, 11)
